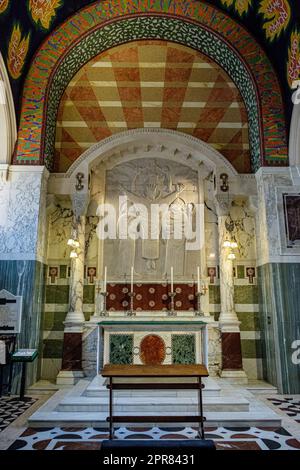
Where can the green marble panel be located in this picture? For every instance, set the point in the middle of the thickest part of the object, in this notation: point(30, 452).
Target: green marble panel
point(246, 294)
point(279, 290)
point(57, 294)
point(183, 349)
point(214, 295)
point(27, 278)
point(251, 349)
point(87, 315)
point(63, 271)
point(53, 321)
point(240, 271)
point(52, 348)
point(89, 294)
point(120, 349)
point(249, 321)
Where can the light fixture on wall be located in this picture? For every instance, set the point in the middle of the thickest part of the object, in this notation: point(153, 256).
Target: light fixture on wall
point(227, 243)
point(73, 243)
point(230, 244)
point(231, 256)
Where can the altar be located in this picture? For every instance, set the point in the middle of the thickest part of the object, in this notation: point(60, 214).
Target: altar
point(151, 342)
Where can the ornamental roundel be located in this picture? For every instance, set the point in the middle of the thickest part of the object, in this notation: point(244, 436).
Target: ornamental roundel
point(152, 350)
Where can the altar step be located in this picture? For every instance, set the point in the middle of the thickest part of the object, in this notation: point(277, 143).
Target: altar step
point(156, 405)
point(97, 388)
point(74, 407)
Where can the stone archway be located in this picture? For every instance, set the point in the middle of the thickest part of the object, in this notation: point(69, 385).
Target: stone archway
point(195, 24)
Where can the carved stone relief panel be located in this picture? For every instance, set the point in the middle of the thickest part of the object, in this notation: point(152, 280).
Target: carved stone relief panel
point(151, 182)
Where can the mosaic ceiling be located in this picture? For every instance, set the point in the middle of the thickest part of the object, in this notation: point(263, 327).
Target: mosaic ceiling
point(152, 84)
point(24, 24)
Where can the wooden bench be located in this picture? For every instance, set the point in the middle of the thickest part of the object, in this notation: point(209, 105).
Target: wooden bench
point(196, 371)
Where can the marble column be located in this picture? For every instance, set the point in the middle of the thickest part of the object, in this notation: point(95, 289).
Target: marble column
point(74, 322)
point(98, 197)
point(232, 365)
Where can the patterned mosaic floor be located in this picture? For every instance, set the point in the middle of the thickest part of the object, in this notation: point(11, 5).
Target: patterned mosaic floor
point(11, 408)
point(289, 405)
point(90, 438)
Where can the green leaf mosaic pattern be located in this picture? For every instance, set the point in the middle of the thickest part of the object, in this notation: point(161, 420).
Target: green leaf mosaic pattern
point(120, 349)
point(183, 349)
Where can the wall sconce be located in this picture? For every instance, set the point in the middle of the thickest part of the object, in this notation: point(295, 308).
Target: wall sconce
point(73, 243)
point(73, 254)
point(231, 256)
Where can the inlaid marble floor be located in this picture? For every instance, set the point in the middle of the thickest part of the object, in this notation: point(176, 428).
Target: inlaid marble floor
point(90, 438)
point(11, 408)
point(289, 405)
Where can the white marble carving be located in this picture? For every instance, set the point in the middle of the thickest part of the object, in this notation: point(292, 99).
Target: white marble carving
point(21, 203)
point(147, 182)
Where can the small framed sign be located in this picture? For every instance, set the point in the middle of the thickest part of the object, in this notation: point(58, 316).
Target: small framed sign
point(10, 312)
point(25, 355)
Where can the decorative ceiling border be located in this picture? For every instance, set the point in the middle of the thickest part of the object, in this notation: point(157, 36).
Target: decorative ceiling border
point(106, 24)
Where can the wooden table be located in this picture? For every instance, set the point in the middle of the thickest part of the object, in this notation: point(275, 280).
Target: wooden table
point(196, 371)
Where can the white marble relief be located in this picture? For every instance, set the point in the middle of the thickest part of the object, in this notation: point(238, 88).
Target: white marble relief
point(243, 230)
point(151, 182)
point(270, 184)
point(60, 231)
point(214, 351)
point(20, 208)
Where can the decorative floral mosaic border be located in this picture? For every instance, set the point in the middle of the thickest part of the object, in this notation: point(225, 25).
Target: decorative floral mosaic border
point(101, 26)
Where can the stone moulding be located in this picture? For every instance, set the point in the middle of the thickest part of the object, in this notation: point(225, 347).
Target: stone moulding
point(106, 24)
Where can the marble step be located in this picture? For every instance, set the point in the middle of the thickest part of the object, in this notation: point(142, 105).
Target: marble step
point(158, 405)
point(97, 388)
point(226, 419)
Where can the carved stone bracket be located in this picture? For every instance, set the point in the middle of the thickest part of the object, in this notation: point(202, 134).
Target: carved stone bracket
point(223, 204)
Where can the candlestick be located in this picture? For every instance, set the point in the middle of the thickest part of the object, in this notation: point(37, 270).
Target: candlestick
point(105, 279)
point(131, 283)
point(131, 312)
point(172, 280)
point(172, 312)
point(198, 279)
point(104, 312)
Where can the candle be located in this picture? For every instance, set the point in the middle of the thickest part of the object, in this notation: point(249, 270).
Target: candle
point(172, 280)
point(131, 285)
point(105, 279)
point(198, 278)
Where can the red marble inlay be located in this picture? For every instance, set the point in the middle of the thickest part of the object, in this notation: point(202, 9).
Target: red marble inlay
point(152, 297)
point(152, 350)
point(231, 351)
point(72, 351)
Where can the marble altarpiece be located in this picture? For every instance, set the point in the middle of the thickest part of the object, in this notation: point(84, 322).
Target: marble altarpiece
point(158, 180)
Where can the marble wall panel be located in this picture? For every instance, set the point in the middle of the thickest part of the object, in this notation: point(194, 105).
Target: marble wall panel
point(26, 278)
point(280, 323)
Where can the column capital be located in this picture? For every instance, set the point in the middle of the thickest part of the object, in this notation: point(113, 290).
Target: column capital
point(80, 202)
